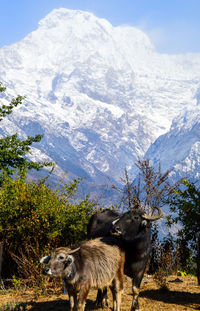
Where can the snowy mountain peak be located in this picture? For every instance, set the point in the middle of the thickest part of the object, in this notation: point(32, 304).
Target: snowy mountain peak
point(62, 15)
point(81, 22)
point(101, 95)
point(70, 30)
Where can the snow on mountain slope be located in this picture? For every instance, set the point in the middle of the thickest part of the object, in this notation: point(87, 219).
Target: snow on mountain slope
point(179, 149)
point(99, 94)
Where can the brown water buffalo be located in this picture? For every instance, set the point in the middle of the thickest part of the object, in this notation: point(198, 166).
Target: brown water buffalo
point(95, 263)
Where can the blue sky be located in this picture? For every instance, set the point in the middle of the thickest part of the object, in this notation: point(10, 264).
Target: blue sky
point(172, 25)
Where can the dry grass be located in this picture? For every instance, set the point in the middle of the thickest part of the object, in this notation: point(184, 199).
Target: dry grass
point(180, 296)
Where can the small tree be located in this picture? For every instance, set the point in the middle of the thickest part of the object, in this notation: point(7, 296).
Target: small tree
point(149, 190)
point(185, 204)
point(154, 186)
point(13, 151)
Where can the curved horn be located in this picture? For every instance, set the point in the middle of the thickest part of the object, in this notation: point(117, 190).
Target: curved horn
point(74, 250)
point(155, 217)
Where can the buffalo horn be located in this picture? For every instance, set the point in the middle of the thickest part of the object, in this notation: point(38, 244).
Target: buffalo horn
point(154, 217)
point(74, 250)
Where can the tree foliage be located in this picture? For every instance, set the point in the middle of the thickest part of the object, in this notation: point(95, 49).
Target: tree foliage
point(185, 206)
point(13, 151)
point(7, 109)
point(185, 203)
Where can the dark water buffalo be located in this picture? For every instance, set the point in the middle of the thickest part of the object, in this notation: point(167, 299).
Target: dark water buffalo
point(96, 263)
point(133, 230)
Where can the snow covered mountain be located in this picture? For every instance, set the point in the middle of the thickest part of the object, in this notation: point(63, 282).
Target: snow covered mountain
point(101, 95)
point(179, 149)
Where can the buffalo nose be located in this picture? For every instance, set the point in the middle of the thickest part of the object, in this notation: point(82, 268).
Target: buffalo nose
point(116, 230)
point(45, 270)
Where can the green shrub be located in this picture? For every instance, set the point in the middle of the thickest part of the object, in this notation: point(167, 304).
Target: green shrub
point(181, 273)
point(34, 219)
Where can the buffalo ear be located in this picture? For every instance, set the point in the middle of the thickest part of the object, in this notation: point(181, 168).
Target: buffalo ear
point(144, 223)
point(45, 259)
point(68, 261)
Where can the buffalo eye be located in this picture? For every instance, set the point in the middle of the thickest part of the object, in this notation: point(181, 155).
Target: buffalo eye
point(61, 257)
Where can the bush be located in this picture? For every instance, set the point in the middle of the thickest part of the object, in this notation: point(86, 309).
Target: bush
point(181, 273)
point(34, 219)
point(160, 278)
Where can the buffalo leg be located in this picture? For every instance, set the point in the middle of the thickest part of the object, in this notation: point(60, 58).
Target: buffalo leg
point(136, 282)
point(102, 298)
point(72, 301)
point(72, 295)
point(116, 288)
point(135, 304)
point(80, 305)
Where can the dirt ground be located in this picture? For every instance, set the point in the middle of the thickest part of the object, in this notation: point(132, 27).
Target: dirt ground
point(181, 296)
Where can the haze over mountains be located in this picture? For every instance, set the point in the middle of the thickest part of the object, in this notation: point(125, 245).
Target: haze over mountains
point(103, 97)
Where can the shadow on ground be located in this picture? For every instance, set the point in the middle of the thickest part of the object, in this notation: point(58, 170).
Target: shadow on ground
point(58, 305)
point(173, 297)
